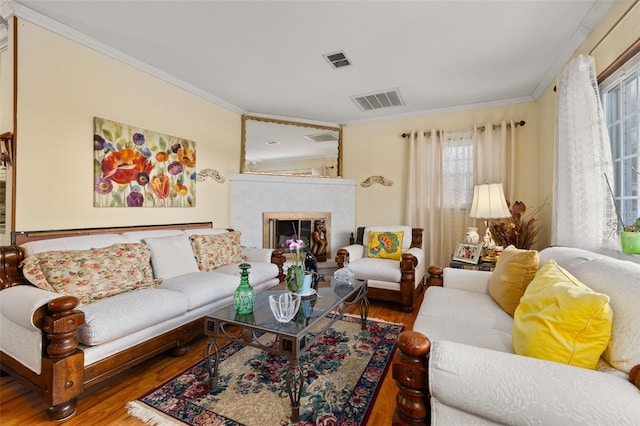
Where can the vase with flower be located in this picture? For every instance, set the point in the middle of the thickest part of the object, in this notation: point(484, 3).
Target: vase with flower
point(295, 273)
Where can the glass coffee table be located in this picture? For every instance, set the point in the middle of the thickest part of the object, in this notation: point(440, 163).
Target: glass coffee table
point(316, 314)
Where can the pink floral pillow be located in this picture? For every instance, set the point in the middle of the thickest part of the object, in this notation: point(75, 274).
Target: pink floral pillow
point(214, 251)
point(92, 274)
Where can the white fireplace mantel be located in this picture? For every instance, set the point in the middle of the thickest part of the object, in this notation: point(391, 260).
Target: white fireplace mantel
point(251, 195)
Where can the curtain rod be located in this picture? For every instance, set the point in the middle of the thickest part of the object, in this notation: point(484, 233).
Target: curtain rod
point(603, 38)
point(481, 128)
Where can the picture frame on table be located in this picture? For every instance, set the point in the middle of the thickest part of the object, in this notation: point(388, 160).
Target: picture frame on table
point(468, 253)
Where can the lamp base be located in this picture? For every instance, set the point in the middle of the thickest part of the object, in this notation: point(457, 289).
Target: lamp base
point(487, 241)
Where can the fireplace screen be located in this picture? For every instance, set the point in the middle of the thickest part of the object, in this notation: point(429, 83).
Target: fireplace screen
point(312, 228)
point(290, 229)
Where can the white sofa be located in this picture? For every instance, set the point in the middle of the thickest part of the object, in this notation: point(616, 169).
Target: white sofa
point(58, 348)
point(467, 372)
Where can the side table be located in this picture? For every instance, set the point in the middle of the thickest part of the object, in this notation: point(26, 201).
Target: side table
point(435, 272)
point(482, 266)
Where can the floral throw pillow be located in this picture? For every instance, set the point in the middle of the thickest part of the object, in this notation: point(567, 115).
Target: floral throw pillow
point(33, 273)
point(92, 274)
point(214, 251)
point(385, 245)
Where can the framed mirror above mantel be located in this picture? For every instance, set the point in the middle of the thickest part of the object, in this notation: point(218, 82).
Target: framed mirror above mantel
point(290, 148)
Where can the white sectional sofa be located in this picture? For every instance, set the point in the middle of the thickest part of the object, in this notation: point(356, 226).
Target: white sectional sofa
point(59, 344)
point(466, 372)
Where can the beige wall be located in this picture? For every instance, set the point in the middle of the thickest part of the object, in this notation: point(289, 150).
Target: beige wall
point(610, 39)
point(378, 149)
point(62, 86)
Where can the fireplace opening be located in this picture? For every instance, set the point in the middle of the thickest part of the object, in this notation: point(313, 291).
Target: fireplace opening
point(312, 228)
point(291, 229)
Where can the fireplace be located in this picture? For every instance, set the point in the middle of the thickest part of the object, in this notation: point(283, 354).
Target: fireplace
point(314, 228)
point(251, 195)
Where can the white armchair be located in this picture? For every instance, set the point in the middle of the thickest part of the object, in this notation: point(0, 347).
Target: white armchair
point(398, 281)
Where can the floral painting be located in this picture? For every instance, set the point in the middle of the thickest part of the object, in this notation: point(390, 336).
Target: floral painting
point(136, 167)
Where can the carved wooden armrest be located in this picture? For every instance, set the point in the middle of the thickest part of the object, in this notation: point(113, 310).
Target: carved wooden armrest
point(278, 258)
point(435, 276)
point(634, 376)
point(60, 326)
point(408, 262)
point(10, 274)
point(410, 373)
point(342, 257)
point(416, 237)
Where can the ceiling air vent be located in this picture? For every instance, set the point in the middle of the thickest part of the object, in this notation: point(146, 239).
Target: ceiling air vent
point(386, 99)
point(322, 137)
point(337, 59)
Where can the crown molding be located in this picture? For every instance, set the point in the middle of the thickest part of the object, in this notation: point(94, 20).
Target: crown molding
point(288, 118)
point(6, 9)
point(28, 14)
point(488, 104)
point(6, 12)
point(589, 22)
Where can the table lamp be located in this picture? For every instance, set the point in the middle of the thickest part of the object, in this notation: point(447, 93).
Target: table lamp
point(489, 203)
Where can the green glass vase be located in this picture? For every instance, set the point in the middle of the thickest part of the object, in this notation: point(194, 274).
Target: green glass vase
point(245, 295)
point(295, 278)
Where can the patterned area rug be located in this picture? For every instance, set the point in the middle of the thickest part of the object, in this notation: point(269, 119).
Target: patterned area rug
point(343, 371)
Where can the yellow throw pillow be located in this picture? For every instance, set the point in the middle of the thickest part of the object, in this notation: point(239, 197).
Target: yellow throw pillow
point(560, 319)
point(385, 245)
point(511, 276)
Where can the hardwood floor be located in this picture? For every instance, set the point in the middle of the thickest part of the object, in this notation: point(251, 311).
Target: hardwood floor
point(104, 404)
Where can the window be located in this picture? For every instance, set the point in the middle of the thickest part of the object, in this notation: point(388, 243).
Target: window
point(622, 109)
point(457, 169)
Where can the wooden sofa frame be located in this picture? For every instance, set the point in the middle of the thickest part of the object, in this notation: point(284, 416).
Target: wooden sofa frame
point(63, 374)
point(410, 371)
point(409, 292)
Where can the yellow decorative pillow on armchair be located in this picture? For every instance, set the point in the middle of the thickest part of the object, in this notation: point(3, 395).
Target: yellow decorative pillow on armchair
point(385, 245)
point(560, 319)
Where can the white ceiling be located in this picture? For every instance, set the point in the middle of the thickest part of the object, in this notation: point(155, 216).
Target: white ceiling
point(265, 57)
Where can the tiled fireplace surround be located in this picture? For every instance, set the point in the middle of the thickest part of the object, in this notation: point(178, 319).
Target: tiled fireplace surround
point(252, 195)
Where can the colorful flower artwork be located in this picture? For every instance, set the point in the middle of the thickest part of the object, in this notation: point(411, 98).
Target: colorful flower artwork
point(136, 167)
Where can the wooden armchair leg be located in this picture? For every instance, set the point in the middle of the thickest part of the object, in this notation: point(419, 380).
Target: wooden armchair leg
point(410, 373)
point(62, 411)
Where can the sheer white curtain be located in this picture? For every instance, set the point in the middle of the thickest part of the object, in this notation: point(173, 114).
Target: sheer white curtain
point(583, 156)
point(457, 183)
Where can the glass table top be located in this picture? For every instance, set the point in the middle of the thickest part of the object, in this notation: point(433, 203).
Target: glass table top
point(312, 308)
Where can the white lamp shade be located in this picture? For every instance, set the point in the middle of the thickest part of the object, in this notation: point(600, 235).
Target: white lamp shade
point(489, 202)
